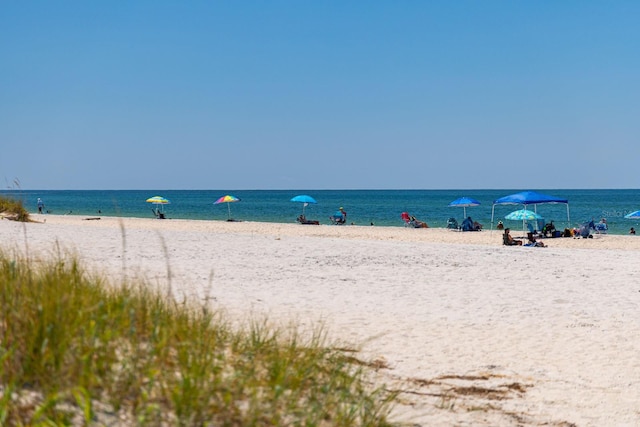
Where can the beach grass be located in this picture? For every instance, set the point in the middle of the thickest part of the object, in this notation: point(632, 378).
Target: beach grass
point(77, 350)
point(13, 209)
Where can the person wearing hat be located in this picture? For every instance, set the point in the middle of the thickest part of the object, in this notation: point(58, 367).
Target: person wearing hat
point(40, 204)
point(340, 217)
point(344, 215)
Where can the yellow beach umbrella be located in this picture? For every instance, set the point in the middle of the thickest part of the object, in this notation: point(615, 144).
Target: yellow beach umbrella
point(158, 200)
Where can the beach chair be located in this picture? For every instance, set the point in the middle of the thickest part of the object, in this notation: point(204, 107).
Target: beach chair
point(406, 219)
point(158, 214)
point(601, 228)
point(452, 224)
point(303, 220)
point(411, 221)
point(337, 218)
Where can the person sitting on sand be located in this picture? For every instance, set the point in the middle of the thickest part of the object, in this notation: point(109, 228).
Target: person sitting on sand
point(417, 223)
point(508, 240)
point(632, 230)
point(470, 225)
point(303, 220)
point(601, 227)
point(548, 229)
point(533, 242)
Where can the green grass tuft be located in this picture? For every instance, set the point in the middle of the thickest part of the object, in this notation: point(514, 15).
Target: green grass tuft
point(13, 209)
point(77, 350)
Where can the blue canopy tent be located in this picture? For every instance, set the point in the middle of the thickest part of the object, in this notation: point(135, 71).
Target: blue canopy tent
point(528, 198)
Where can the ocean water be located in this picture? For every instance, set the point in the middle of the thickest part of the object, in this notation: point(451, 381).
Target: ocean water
point(364, 207)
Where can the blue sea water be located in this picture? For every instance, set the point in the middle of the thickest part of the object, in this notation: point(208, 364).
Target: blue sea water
point(364, 207)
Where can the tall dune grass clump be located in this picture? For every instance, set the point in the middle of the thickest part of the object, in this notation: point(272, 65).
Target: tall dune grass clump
point(75, 350)
point(13, 209)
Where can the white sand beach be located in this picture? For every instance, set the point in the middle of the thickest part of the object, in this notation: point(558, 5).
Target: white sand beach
point(474, 333)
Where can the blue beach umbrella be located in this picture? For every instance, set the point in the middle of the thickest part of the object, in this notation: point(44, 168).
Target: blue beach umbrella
point(464, 202)
point(305, 200)
point(633, 215)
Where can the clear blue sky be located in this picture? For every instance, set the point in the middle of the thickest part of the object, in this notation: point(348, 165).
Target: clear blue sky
point(319, 94)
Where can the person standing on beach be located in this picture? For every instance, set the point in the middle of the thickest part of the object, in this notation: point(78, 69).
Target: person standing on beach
point(40, 204)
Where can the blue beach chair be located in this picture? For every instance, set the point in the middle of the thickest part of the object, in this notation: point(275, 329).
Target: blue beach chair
point(337, 218)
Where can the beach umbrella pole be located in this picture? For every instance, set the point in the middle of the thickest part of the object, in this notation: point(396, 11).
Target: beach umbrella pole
point(229, 209)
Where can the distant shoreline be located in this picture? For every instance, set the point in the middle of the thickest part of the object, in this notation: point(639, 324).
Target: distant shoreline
point(382, 208)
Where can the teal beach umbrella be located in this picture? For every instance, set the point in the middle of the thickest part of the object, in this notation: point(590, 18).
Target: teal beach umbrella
point(305, 200)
